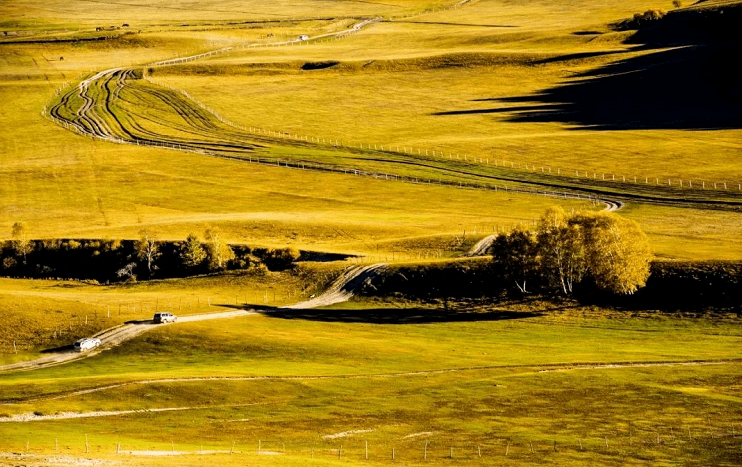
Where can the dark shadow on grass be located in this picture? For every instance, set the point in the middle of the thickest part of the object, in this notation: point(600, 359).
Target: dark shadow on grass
point(499, 110)
point(690, 88)
point(60, 349)
point(140, 321)
point(415, 315)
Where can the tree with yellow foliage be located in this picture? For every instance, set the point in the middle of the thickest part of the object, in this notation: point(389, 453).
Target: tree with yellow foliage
point(616, 249)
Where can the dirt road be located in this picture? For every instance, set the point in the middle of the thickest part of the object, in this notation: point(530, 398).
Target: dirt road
point(110, 338)
point(340, 291)
point(343, 288)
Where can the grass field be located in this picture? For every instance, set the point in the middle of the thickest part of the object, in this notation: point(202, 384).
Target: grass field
point(506, 93)
point(504, 397)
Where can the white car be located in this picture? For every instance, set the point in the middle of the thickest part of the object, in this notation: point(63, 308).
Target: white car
point(162, 317)
point(86, 343)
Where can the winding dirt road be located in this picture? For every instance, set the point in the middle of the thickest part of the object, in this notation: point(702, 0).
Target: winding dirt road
point(117, 105)
point(341, 290)
point(110, 338)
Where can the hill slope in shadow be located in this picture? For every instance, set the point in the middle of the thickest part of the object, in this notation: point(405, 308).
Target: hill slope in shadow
point(691, 86)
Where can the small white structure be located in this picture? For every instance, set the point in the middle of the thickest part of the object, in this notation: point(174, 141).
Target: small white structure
point(303, 37)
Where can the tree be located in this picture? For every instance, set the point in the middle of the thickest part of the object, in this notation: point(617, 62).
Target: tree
point(515, 254)
point(20, 243)
point(561, 249)
point(192, 252)
point(677, 3)
point(218, 252)
point(148, 250)
point(617, 252)
point(127, 271)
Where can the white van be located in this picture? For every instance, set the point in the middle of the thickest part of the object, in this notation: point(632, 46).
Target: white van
point(303, 37)
point(86, 343)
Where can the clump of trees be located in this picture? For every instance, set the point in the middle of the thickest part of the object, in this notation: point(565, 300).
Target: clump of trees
point(105, 260)
point(608, 249)
point(640, 20)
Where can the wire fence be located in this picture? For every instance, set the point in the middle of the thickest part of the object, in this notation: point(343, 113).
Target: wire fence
point(657, 441)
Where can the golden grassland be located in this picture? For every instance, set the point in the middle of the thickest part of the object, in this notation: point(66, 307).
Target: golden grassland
point(483, 383)
point(500, 379)
point(60, 184)
point(393, 82)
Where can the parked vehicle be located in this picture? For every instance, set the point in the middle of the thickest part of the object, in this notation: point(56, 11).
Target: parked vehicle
point(86, 343)
point(162, 317)
point(303, 37)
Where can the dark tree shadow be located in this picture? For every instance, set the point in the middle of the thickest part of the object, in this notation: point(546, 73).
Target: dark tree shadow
point(694, 86)
point(414, 315)
point(690, 88)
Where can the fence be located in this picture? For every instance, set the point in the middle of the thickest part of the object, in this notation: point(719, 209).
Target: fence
point(659, 442)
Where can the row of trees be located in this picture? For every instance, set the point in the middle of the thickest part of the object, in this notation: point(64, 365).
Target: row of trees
point(107, 260)
point(565, 249)
point(214, 254)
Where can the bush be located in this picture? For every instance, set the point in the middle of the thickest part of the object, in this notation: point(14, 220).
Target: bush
point(280, 259)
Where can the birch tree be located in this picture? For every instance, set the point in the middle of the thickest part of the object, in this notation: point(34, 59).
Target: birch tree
point(515, 254)
point(561, 250)
point(20, 243)
point(218, 252)
point(617, 251)
point(148, 250)
point(192, 253)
